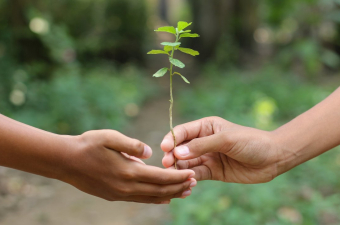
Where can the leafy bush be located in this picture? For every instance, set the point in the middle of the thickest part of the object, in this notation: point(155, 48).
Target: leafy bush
point(74, 101)
point(244, 96)
point(267, 98)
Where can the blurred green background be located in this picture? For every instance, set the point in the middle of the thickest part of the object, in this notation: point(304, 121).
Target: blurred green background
point(68, 66)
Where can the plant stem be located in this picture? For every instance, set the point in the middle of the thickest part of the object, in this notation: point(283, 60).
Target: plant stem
point(172, 101)
point(170, 113)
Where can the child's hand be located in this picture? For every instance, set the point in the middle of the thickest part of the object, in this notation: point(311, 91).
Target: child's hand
point(220, 150)
point(106, 164)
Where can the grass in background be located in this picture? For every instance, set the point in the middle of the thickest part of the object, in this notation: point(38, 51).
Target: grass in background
point(265, 99)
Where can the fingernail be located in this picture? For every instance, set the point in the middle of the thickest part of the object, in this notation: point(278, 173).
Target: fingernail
point(147, 152)
point(193, 184)
point(182, 150)
point(191, 176)
point(186, 193)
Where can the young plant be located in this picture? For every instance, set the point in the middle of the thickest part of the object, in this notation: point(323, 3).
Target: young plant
point(169, 49)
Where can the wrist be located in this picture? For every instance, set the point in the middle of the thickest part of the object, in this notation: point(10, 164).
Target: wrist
point(289, 151)
point(67, 158)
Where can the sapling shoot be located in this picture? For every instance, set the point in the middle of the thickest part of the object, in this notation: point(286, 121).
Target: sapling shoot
point(169, 49)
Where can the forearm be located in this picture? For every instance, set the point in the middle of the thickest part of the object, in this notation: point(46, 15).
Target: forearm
point(310, 134)
point(32, 150)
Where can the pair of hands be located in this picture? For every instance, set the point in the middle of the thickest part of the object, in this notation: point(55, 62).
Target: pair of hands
point(209, 149)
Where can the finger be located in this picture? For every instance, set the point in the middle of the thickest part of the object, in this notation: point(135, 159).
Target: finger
point(202, 173)
point(182, 132)
point(199, 146)
point(168, 159)
point(188, 164)
point(155, 175)
point(155, 200)
point(132, 158)
point(163, 190)
point(119, 142)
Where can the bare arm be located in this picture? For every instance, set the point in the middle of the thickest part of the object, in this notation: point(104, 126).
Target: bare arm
point(217, 149)
point(310, 134)
point(32, 150)
point(104, 163)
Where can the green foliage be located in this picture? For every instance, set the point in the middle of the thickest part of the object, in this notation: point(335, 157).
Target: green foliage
point(304, 34)
point(182, 25)
point(265, 99)
point(57, 57)
point(185, 79)
point(177, 63)
point(167, 48)
point(189, 51)
point(161, 72)
point(173, 46)
point(171, 30)
point(74, 100)
point(189, 35)
point(155, 52)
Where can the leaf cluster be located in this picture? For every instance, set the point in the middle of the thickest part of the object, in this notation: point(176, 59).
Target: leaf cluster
point(170, 47)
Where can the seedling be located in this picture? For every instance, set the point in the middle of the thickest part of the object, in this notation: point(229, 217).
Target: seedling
point(169, 49)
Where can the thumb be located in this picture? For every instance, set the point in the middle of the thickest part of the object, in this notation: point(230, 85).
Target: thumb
point(201, 146)
point(121, 143)
point(136, 148)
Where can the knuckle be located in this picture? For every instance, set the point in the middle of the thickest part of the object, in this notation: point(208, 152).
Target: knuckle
point(163, 179)
point(227, 141)
point(185, 186)
point(178, 194)
point(163, 191)
point(214, 118)
point(137, 147)
point(128, 174)
point(125, 191)
point(107, 136)
point(121, 190)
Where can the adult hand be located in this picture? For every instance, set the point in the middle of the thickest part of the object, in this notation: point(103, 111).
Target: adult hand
point(217, 149)
point(106, 164)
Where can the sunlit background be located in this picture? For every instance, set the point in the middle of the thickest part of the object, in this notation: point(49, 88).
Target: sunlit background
point(68, 66)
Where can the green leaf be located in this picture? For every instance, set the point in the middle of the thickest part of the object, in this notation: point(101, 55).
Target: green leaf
point(155, 52)
point(189, 35)
point(183, 77)
point(182, 25)
point(171, 30)
point(185, 31)
point(189, 51)
point(167, 48)
point(160, 72)
point(176, 62)
point(172, 44)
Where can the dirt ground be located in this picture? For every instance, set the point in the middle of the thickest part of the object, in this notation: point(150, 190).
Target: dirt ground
point(26, 199)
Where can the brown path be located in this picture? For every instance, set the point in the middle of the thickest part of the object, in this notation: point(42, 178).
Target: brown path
point(34, 200)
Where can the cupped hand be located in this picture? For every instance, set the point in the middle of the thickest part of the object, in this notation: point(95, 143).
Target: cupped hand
point(106, 164)
point(217, 149)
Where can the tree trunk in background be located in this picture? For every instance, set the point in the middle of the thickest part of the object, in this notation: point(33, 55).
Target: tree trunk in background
point(208, 18)
point(215, 18)
point(163, 8)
